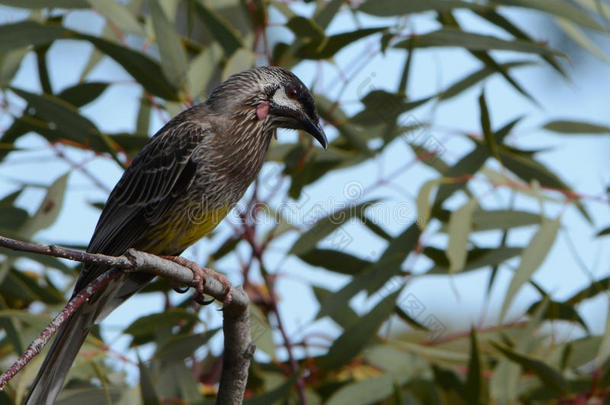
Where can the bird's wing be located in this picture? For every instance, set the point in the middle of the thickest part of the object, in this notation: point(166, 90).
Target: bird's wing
point(157, 176)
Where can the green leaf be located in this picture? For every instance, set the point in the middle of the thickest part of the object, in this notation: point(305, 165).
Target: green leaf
point(119, 15)
point(147, 386)
point(488, 134)
point(559, 8)
point(54, 118)
point(334, 43)
point(375, 228)
point(141, 67)
point(523, 165)
point(603, 353)
point(220, 29)
point(449, 37)
point(466, 166)
point(9, 327)
point(239, 61)
point(37, 4)
point(201, 69)
point(424, 208)
point(12, 218)
point(355, 338)
point(305, 28)
point(367, 391)
point(549, 376)
point(179, 347)
point(475, 77)
point(559, 311)
point(485, 220)
point(531, 259)
point(459, 230)
point(389, 264)
point(327, 225)
point(28, 33)
point(382, 107)
point(144, 328)
point(10, 61)
point(344, 316)
point(392, 8)
point(83, 93)
point(261, 332)
point(578, 35)
point(49, 208)
point(173, 56)
point(376, 276)
point(353, 134)
point(576, 127)
point(335, 260)
point(500, 21)
point(402, 314)
point(592, 290)
point(476, 258)
point(273, 396)
point(326, 12)
point(472, 386)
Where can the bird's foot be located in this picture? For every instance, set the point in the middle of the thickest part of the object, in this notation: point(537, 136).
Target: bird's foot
point(199, 277)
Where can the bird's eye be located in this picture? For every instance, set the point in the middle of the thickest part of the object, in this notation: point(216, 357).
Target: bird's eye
point(292, 93)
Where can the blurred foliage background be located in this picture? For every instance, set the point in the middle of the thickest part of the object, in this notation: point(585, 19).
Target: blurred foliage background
point(454, 203)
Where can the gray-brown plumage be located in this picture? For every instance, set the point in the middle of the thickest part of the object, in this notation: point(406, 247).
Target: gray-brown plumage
point(178, 188)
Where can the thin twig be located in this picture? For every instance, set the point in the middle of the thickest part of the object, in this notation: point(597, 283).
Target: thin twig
point(41, 341)
point(238, 342)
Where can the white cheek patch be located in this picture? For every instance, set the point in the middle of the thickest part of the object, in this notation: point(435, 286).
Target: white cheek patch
point(281, 99)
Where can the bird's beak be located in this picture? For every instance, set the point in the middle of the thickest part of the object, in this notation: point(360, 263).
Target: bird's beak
point(315, 130)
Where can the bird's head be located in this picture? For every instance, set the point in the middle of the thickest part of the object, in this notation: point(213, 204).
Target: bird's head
point(271, 96)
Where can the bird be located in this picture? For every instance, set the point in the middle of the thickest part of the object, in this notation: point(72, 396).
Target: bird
point(179, 187)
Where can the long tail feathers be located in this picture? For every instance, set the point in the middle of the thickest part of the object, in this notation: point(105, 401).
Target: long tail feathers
point(59, 359)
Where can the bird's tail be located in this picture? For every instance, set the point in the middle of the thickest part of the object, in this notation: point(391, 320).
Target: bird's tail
point(56, 365)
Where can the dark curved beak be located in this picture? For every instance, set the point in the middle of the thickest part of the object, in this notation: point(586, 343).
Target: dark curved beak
point(315, 130)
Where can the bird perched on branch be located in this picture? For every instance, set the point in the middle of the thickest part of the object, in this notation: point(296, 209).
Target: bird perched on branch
point(177, 189)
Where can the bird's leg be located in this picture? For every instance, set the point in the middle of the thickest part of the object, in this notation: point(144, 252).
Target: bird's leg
point(199, 276)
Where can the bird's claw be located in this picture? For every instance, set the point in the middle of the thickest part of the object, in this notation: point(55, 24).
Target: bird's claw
point(199, 299)
point(180, 289)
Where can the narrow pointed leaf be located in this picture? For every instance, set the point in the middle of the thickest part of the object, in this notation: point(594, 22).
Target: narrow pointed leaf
point(472, 387)
point(486, 126)
point(559, 8)
point(49, 208)
point(147, 386)
point(335, 261)
point(449, 37)
point(367, 391)
point(476, 77)
point(576, 127)
point(334, 43)
point(354, 339)
point(549, 376)
point(424, 206)
point(391, 8)
point(119, 15)
point(459, 230)
point(37, 4)
point(326, 225)
point(173, 56)
point(28, 33)
point(533, 256)
point(220, 29)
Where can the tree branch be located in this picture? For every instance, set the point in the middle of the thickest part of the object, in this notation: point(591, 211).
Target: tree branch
point(238, 343)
